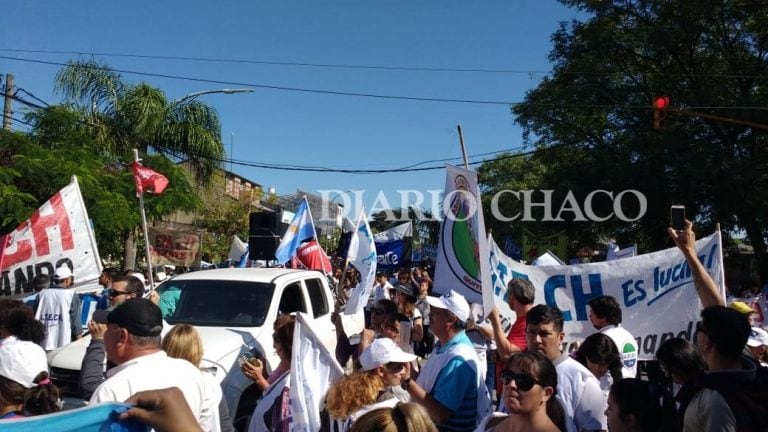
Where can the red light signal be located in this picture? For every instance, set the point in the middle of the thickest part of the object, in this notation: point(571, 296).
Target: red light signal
point(660, 105)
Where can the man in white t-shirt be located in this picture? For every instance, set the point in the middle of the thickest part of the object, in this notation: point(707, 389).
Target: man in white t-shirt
point(605, 314)
point(132, 342)
point(577, 388)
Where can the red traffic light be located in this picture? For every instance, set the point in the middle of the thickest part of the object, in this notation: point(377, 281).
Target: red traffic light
point(661, 102)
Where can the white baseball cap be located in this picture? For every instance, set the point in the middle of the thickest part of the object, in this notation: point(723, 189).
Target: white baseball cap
point(62, 273)
point(453, 302)
point(757, 337)
point(22, 362)
point(382, 351)
point(138, 276)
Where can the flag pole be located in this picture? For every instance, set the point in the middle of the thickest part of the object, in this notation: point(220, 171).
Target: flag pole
point(463, 147)
point(144, 226)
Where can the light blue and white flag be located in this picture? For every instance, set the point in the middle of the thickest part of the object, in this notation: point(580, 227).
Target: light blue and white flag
point(313, 370)
point(362, 255)
point(300, 229)
point(238, 252)
point(93, 418)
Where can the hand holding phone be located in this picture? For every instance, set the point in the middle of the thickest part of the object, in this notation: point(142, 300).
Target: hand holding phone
point(677, 217)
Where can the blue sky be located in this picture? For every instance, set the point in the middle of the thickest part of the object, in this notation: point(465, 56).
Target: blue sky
point(302, 128)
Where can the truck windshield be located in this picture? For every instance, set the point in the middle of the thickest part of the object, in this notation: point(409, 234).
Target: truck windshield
point(215, 302)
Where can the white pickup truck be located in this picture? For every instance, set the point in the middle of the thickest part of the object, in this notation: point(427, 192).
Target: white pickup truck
point(233, 310)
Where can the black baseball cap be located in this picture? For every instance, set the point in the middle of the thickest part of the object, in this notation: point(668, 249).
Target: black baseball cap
point(139, 316)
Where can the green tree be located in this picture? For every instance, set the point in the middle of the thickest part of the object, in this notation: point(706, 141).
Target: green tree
point(593, 113)
point(107, 187)
point(121, 116)
point(223, 217)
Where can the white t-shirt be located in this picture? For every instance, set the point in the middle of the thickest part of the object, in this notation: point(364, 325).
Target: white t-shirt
point(579, 392)
point(158, 371)
point(627, 346)
point(53, 313)
point(708, 411)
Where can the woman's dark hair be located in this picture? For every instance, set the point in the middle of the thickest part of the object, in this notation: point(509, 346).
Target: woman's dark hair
point(641, 399)
point(680, 357)
point(599, 348)
point(284, 325)
point(42, 399)
point(540, 367)
point(388, 305)
point(18, 319)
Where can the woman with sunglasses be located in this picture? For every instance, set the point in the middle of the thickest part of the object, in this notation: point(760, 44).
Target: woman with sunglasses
point(530, 386)
point(383, 366)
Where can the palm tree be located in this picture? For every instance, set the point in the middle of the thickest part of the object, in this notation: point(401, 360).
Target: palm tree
point(123, 116)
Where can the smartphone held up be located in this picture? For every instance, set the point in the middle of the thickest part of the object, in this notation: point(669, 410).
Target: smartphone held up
point(677, 217)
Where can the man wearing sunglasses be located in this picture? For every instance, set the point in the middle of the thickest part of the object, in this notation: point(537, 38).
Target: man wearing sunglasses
point(449, 386)
point(577, 388)
point(92, 367)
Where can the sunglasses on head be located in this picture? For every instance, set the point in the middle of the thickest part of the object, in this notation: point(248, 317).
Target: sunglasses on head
point(115, 293)
point(523, 381)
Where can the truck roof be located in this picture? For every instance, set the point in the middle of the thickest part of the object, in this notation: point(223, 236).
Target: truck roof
point(266, 275)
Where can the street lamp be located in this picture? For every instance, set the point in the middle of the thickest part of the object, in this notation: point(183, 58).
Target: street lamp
point(200, 93)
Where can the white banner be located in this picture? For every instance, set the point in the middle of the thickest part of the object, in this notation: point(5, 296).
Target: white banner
point(462, 248)
point(58, 233)
point(362, 255)
point(395, 233)
point(655, 291)
point(313, 370)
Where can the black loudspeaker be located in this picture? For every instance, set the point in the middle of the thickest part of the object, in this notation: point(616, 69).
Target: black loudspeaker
point(264, 219)
point(262, 244)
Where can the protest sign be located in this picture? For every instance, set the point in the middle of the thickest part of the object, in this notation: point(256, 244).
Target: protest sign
point(177, 248)
point(462, 249)
point(655, 291)
point(58, 233)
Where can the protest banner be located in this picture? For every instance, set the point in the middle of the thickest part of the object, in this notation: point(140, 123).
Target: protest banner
point(463, 249)
point(393, 247)
point(534, 245)
point(655, 291)
point(362, 255)
point(58, 233)
point(177, 248)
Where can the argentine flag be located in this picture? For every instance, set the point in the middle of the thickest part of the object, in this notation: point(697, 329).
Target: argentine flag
point(300, 229)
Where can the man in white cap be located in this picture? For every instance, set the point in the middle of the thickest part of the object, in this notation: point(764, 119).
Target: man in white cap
point(58, 309)
point(450, 386)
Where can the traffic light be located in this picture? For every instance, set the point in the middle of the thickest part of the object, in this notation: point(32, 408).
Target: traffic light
point(660, 105)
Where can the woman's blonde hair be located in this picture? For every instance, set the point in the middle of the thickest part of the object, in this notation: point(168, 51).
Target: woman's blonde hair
point(353, 392)
point(404, 417)
point(184, 342)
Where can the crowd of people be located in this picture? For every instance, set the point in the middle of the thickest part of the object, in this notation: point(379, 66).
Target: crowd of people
point(423, 363)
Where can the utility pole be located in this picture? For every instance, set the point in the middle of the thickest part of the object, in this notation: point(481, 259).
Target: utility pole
point(7, 107)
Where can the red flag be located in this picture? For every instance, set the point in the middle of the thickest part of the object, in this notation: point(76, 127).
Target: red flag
point(312, 255)
point(148, 180)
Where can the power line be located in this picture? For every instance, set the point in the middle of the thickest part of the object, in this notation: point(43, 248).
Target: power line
point(283, 63)
point(366, 95)
point(529, 72)
point(284, 88)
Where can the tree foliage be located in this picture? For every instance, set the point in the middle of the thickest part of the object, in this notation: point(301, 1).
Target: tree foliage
point(41, 165)
point(591, 119)
point(122, 116)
